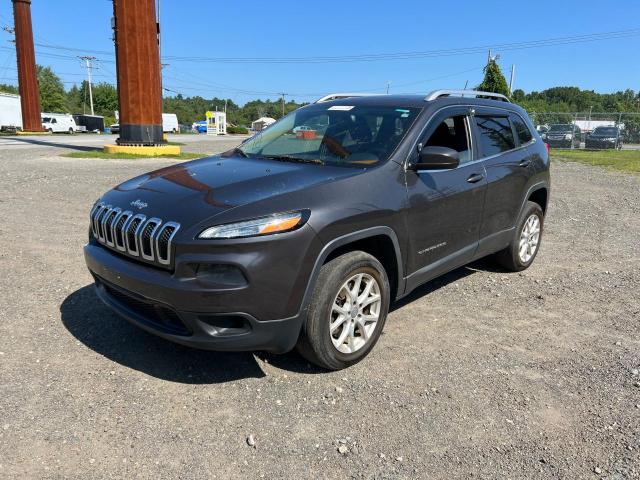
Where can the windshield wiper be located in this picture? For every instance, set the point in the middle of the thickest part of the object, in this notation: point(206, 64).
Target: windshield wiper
point(235, 151)
point(289, 158)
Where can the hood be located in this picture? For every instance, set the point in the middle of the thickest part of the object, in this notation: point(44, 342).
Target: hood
point(194, 191)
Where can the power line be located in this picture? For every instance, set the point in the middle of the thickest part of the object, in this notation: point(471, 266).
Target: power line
point(542, 43)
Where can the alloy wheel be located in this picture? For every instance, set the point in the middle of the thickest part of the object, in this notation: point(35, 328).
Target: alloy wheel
point(529, 238)
point(355, 313)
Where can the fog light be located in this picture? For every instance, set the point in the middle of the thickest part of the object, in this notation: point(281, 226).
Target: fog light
point(220, 274)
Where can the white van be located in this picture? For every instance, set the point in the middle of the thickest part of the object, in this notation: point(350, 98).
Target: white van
point(59, 123)
point(170, 123)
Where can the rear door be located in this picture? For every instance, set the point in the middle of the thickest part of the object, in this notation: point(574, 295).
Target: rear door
point(508, 166)
point(445, 206)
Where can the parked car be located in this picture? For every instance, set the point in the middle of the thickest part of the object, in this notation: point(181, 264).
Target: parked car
point(280, 243)
point(114, 128)
point(58, 123)
point(604, 137)
point(563, 135)
point(200, 126)
point(542, 131)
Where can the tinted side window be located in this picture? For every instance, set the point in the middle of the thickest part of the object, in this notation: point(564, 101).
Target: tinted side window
point(522, 131)
point(496, 135)
point(452, 133)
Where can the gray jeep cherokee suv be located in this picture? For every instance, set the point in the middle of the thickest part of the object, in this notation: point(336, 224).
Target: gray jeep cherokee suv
point(304, 234)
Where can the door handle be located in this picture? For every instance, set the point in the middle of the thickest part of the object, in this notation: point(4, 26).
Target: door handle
point(525, 163)
point(474, 178)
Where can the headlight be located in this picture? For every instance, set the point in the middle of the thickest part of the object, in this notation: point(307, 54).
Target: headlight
point(277, 223)
point(568, 136)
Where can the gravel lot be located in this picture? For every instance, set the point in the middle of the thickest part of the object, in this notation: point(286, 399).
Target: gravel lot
point(478, 374)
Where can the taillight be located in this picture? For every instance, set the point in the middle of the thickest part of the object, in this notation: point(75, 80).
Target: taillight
point(547, 145)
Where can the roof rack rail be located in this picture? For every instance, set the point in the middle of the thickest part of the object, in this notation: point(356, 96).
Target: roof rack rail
point(338, 96)
point(465, 93)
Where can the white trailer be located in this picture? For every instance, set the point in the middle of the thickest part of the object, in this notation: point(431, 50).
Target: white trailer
point(10, 112)
point(170, 123)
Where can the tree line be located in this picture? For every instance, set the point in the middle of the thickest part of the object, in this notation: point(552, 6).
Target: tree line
point(55, 98)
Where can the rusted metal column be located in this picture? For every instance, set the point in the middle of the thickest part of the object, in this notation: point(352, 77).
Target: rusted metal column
point(27, 74)
point(138, 65)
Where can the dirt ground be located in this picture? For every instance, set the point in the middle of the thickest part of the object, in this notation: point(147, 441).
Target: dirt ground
point(481, 373)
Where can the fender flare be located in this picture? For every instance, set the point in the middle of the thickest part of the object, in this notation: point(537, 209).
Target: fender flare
point(534, 188)
point(349, 238)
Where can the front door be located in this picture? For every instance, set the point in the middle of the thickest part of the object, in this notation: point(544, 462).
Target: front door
point(445, 206)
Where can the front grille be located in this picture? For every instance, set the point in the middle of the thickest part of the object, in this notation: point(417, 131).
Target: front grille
point(135, 235)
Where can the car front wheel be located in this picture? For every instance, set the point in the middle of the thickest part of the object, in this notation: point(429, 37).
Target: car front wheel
point(347, 311)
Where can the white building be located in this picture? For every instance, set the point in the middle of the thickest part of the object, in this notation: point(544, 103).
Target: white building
point(262, 123)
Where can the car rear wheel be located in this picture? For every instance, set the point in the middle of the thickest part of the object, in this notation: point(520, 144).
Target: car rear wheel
point(525, 242)
point(347, 312)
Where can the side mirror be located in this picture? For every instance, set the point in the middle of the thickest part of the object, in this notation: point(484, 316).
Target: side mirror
point(437, 158)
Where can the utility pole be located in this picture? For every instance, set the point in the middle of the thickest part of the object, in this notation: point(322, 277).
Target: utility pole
point(283, 94)
point(388, 85)
point(27, 73)
point(88, 61)
point(513, 73)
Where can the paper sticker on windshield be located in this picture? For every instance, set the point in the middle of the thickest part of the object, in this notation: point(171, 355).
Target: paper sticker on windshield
point(342, 108)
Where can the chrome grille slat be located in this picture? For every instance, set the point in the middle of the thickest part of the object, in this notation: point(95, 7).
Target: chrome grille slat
point(99, 223)
point(151, 227)
point(94, 218)
point(119, 226)
point(133, 234)
point(166, 259)
point(107, 222)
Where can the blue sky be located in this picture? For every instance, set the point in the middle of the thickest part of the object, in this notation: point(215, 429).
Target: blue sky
point(356, 27)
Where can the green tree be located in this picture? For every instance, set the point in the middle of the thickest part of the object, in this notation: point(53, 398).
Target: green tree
point(8, 88)
point(53, 98)
point(494, 80)
point(105, 99)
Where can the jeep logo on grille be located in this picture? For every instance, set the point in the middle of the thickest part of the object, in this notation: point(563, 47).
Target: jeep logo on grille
point(139, 204)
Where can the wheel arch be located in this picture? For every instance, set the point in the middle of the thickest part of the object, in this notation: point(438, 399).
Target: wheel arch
point(537, 193)
point(380, 242)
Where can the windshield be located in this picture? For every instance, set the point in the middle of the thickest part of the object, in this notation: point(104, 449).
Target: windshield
point(46, 120)
point(562, 127)
point(610, 131)
point(334, 134)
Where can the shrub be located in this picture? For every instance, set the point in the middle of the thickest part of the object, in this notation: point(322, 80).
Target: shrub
point(237, 130)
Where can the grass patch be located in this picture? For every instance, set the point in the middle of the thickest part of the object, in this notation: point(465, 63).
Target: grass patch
point(130, 156)
point(621, 160)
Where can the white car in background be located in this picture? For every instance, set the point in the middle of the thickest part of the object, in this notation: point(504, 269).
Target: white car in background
point(59, 123)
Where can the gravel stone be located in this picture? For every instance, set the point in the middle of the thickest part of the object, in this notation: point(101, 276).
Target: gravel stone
point(454, 361)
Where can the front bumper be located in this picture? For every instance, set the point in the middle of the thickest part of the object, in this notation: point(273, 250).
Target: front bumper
point(265, 314)
point(602, 144)
point(559, 143)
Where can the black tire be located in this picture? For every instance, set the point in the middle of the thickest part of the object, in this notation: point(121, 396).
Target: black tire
point(315, 342)
point(71, 132)
point(509, 258)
